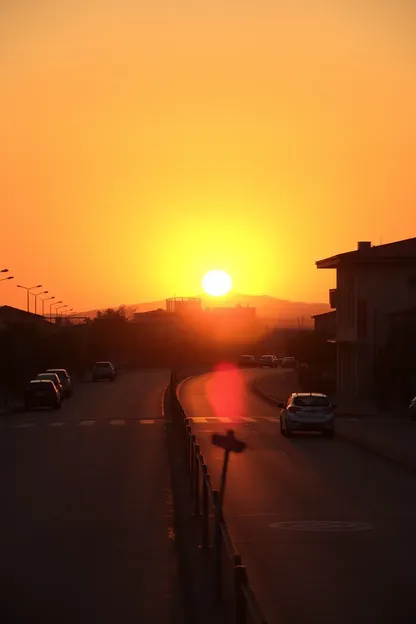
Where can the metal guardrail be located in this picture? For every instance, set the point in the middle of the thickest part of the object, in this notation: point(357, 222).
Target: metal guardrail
point(214, 530)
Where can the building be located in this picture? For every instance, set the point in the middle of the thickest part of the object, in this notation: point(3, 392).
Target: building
point(326, 324)
point(372, 282)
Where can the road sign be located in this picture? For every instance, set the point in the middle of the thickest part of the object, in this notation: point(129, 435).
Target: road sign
point(228, 442)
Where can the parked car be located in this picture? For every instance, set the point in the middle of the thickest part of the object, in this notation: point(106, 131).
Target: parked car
point(247, 361)
point(103, 370)
point(268, 361)
point(289, 362)
point(42, 393)
point(307, 411)
point(53, 377)
point(64, 378)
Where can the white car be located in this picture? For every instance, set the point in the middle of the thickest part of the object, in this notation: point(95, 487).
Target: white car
point(307, 411)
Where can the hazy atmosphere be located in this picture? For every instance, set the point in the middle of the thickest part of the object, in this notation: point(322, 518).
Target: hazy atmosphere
point(146, 143)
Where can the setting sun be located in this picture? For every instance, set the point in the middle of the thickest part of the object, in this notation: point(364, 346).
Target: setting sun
point(216, 283)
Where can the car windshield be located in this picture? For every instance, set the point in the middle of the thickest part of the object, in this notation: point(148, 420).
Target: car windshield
point(50, 376)
point(103, 365)
point(63, 376)
point(311, 401)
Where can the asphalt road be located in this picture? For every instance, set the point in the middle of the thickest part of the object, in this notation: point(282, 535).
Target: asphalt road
point(326, 530)
point(86, 521)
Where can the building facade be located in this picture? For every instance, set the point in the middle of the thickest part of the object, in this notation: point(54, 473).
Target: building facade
point(372, 282)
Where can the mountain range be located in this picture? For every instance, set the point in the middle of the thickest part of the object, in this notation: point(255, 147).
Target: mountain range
point(270, 309)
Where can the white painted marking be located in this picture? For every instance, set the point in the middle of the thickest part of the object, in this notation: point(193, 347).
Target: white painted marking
point(87, 423)
point(225, 419)
point(271, 419)
point(57, 424)
point(248, 419)
point(25, 425)
point(146, 422)
point(199, 419)
point(322, 526)
point(117, 422)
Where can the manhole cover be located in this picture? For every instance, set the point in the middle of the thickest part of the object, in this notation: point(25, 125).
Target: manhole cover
point(328, 526)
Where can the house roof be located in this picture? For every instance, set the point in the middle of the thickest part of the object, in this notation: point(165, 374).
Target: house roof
point(327, 314)
point(399, 252)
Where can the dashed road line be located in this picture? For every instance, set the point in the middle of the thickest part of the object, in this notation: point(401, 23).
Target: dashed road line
point(146, 422)
point(248, 419)
point(87, 423)
point(25, 425)
point(118, 422)
point(57, 424)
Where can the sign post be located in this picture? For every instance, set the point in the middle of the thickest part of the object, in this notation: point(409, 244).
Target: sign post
point(230, 444)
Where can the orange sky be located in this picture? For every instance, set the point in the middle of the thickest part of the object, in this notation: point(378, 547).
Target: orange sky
point(144, 143)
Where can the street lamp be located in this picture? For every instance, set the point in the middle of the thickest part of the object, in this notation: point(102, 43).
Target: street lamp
point(60, 307)
point(4, 279)
point(36, 295)
point(50, 308)
point(43, 303)
point(4, 270)
point(28, 289)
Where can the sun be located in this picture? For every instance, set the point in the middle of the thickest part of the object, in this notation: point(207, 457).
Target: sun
point(216, 283)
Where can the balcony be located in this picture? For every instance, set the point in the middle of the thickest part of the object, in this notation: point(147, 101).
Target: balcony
point(333, 297)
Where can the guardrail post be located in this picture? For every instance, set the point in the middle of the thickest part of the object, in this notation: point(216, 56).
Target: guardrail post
point(205, 507)
point(240, 606)
point(217, 547)
point(192, 458)
point(197, 466)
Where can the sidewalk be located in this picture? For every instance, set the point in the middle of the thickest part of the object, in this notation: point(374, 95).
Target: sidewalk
point(392, 435)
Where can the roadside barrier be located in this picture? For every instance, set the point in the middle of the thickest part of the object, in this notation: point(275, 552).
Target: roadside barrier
point(229, 575)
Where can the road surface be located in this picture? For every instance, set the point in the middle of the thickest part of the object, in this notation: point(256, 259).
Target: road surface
point(86, 522)
point(326, 530)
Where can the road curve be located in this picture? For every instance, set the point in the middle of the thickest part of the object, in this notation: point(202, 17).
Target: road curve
point(86, 523)
point(325, 529)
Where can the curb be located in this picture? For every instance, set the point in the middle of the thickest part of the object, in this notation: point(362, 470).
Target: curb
point(363, 444)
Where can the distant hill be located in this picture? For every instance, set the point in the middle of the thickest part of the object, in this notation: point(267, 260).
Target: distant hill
point(268, 308)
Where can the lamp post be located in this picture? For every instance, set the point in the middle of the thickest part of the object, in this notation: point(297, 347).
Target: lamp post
point(60, 307)
point(4, 279)
point(28, 289)
point(36, 295)
point(50, 308)
point(4, 270)
point(43, 303)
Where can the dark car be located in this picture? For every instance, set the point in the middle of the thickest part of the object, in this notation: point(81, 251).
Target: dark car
point(247, 361)
point(64, 378)
point(268, 361)
point(42, 393)
point(53, 377)
point(103, 370)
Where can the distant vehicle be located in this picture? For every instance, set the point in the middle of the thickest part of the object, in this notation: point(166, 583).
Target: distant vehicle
point(64, 378)
point(279, 361)
point(247, 361)
point(103, 370)
point(288, 362)
point(53, 377)
point(268, 360)
point(307, 412)
point(42, 393)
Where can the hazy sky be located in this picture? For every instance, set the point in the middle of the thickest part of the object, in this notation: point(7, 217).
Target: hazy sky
point(143, 143)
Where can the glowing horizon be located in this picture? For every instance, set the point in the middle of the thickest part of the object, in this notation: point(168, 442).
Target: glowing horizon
point(144, 144)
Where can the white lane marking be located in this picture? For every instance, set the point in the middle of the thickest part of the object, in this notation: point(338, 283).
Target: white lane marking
point(117, 422)
point(248, 419)
point(271, 419)
point(226, 419)
point(25, 425)
point(320, 526)
point(146, 422)
point(199, 419)
point(57, 424)
point(87, 423)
